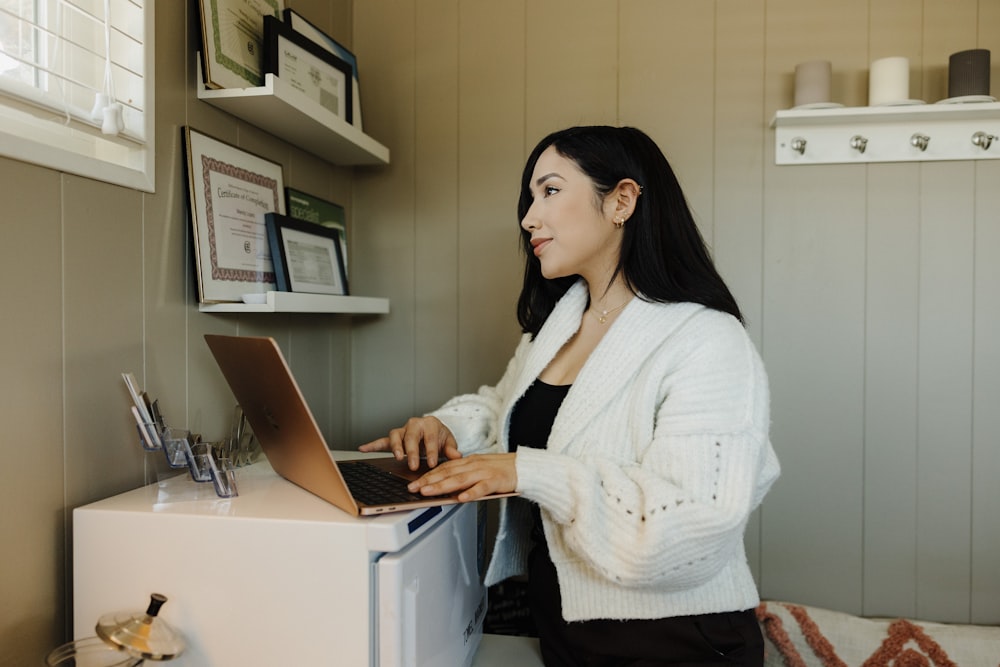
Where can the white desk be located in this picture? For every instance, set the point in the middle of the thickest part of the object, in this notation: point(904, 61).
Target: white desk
point(246, 574)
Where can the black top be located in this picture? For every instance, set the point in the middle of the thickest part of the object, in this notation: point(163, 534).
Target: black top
point(530, 426)
point(533, 415)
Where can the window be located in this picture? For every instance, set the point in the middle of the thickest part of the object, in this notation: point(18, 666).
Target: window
point(76, 87)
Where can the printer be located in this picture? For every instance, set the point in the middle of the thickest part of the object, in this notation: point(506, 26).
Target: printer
point(277, 576)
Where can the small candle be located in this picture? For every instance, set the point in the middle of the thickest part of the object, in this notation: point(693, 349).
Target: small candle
point(812, 82)
point(889, 81)
point(969, 73)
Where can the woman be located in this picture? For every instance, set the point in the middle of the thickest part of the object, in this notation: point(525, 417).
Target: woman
point(633, 420)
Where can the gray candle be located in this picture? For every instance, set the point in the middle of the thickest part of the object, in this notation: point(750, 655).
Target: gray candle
point(812, 82)
point(969, 73)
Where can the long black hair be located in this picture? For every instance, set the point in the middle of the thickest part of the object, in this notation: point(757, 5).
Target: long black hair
point(663, 255)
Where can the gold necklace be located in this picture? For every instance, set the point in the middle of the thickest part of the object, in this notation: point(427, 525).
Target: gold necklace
point(603, 317)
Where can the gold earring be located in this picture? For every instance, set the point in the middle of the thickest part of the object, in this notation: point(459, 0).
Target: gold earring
point(619, 221)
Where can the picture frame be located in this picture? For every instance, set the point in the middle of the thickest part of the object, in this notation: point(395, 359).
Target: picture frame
point(230, 191)
point(308, 68)
point(232, 38)
point(310, 208)
point(306, 256)
point(304, 26)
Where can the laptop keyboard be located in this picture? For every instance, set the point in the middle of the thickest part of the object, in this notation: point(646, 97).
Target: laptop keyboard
point(371, 485)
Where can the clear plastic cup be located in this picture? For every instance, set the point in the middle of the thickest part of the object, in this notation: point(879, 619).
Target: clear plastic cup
point(90, 652)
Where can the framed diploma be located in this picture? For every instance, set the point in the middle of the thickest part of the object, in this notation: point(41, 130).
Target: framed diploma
point(302, 25)
point(306, 256)
point(230, 192)
point(232, 41)
point(309, 208)
point(308, 68)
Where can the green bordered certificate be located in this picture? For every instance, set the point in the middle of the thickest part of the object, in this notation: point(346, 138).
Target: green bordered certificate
point(232, 41)
point(309, 208)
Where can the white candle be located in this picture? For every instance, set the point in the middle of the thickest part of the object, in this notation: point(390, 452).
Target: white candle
point(889, 81)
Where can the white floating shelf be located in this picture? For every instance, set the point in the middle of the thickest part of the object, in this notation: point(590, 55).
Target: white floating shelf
point(298, 302)
point(286, 113)
point(830, 135)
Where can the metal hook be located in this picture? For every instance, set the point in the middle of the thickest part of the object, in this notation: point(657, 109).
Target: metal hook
point(920, 141)
point(983, 140)
point(859, 143)
point(799, 145)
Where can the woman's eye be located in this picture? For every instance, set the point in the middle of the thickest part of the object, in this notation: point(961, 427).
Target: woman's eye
point(550, 190)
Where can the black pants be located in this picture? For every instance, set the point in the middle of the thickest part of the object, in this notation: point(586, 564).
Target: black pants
point(732, 638)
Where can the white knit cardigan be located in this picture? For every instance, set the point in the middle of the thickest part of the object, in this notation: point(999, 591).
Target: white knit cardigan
point(657, 457)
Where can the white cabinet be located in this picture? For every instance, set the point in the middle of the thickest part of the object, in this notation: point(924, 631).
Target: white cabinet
point(277, 576)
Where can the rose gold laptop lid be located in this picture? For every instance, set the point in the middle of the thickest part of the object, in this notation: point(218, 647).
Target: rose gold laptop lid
point(265, 389)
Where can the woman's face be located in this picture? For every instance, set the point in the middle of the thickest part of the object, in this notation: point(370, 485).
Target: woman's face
point(572, 231)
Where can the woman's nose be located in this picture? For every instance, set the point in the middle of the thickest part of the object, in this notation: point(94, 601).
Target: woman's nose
point(529, 222)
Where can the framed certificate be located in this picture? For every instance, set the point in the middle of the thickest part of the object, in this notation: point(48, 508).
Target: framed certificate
point(232, 41)
point(230, 192)
point(308, 68)
point(306, 256)
point(302, 25)
point(310, 208)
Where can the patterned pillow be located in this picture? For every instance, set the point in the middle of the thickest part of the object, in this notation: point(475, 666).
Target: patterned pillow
point(801, 636)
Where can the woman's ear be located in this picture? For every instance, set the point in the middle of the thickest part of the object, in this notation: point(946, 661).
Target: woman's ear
point(625, 195)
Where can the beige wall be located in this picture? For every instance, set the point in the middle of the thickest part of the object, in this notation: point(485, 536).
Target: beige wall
point(871, 290)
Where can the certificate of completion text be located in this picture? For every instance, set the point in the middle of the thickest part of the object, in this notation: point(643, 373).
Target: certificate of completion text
point(237, 233)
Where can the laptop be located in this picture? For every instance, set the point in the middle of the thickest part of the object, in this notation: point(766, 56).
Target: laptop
point(288, 434)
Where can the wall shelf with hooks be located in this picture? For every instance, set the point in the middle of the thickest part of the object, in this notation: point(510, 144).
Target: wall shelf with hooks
point(915, 133)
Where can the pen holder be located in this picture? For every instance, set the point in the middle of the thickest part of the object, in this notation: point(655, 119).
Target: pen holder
point(149, 436)
point(199, 461)
point(176, 447)
point(205, 462)
point(224, 477)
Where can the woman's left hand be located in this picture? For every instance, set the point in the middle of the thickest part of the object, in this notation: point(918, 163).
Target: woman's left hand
point(475, 476)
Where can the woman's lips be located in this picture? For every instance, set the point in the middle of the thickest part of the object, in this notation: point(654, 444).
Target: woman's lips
point(538, 244)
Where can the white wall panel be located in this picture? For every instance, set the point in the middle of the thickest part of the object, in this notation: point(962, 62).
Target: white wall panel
point(891, 340)
point(570, 81)
point(491, 121)
point(944, 422)
point(813, 331)
point(891, 318)
point(384, 220)
point(667, 80)
point(985, 581)
point(437, 180)
point(813, 348)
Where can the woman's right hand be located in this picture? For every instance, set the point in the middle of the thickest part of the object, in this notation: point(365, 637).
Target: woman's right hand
point(406, 442)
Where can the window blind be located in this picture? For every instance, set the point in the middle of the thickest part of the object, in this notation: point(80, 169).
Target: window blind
point(61, 54)
point(63, 65)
